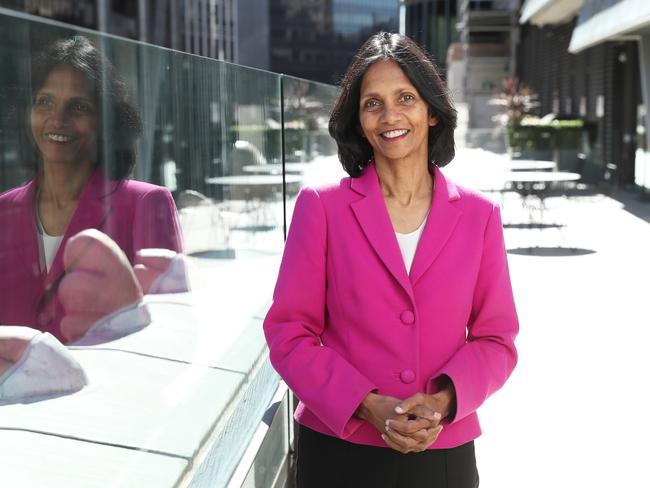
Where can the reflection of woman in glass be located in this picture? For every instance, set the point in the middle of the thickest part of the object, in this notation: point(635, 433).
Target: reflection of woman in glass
point(84, 130)
point(393, 317)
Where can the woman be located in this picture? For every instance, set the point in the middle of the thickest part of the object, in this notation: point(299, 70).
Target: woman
point(393, 317)
point(84, 130)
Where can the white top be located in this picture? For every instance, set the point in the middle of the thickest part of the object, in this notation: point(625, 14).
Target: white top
point(50, 243)
point(408, 243)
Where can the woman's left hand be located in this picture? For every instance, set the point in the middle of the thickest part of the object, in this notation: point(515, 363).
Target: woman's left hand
point(409, 436)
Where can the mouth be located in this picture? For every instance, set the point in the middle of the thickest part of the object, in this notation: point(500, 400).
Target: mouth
point(394, 135)
point(60, 138)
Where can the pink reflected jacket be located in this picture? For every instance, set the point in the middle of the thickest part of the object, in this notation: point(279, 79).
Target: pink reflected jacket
point(135, 215)
point(347, 319)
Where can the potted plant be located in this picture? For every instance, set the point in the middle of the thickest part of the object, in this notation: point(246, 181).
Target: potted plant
point(516, 102)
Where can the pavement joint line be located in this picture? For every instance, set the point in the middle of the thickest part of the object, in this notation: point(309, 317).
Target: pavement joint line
point(168, 302)
point(181, 361)
point(103, 443)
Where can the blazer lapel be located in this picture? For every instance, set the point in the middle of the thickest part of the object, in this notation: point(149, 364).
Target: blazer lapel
point(441, 223)
point(25, 232)
point(372, 215)
point(92, 212)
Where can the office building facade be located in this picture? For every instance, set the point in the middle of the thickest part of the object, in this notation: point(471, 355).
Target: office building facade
point(581, 74)
point(313, 39)
point(488, 33)
point(433, 25)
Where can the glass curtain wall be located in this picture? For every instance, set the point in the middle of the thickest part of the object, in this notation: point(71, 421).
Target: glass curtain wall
point(169, 386)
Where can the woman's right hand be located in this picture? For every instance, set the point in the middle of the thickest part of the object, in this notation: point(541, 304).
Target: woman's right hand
point(405, 434)
point(377, 409)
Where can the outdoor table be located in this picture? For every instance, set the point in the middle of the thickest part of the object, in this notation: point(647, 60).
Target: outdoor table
point(275, 169)
point(530, 165)
point(259, 192)
point(253, 180)
point(537, 184)
point(546, 178)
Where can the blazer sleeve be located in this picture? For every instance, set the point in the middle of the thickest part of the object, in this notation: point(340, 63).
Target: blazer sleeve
point(323, 380)
point(156, 223)
point(483, 364)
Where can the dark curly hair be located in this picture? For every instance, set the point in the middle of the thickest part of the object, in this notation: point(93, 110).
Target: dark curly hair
point(121, 122)
point(354, 150)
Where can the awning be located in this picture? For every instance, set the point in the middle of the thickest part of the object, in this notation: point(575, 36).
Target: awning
point(544, 12)
point(623, 18)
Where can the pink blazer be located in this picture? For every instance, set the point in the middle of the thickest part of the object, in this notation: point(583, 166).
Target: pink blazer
point(347, 319)
point(136, 215)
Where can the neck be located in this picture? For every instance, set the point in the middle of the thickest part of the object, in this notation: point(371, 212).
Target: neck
point(403, 181)
point(62, 185)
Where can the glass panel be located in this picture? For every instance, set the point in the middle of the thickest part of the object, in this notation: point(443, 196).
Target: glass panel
point(160, 348)
point(270, 468)
point(310, 152)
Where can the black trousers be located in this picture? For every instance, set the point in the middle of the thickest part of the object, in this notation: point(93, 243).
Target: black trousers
point(329, 462)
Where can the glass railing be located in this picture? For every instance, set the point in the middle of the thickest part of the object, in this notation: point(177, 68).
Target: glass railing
point(164, 377)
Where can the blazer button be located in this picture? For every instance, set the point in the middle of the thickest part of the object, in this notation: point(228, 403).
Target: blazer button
point(407, 317)
point(407, 376)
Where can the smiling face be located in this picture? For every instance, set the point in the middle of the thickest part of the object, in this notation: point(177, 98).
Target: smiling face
point(393, 116)
point(64, 119)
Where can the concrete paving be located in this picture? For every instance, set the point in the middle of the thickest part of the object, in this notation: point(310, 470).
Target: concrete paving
point(575, 411)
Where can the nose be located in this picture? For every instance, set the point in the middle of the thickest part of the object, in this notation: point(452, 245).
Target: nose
point(390, 114)
point(60, 116)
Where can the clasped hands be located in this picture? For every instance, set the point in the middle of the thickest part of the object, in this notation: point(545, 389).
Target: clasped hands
point(409, 425)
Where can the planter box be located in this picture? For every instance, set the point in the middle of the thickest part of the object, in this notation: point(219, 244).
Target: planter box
point(570, 146)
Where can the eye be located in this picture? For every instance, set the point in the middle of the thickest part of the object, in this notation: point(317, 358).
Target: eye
point(371, 103)
point(407, 98)
point(43, 101)
point(81, 107)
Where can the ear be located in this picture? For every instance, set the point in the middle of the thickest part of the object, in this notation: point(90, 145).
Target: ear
point(433, 120)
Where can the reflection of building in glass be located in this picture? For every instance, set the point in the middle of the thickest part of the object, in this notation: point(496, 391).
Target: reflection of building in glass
point(193, 26)
point(311, 39)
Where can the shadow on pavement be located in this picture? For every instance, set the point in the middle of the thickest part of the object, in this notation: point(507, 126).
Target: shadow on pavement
point(214, 254)
point(533, 225)
point(550, 251)
point(636, 203)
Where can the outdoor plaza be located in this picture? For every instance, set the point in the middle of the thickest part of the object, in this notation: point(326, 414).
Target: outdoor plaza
point(192, 400)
